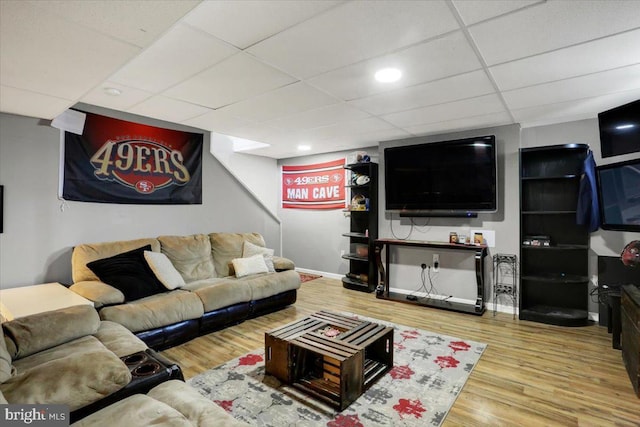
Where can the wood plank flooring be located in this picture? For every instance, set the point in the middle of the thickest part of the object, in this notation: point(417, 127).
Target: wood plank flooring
point(531, 374)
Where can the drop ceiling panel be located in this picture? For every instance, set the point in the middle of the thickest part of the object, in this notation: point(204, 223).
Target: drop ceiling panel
point(31, 104)
point(463, 86)
point(593, 57)
point(606, 82)
point(353, 32)
point(552, 25)
point(346, 129)
point(44, 53)
point(573, 110)
point(452, 53)
point(217, 121)
point(163, 108)
point(135, 22)
point(285, 101)
point(324, 116)
point(243, 23)
point(444, 112)
point(473, 11)
point(176, 56)
point(234, 79)
point(127, 99)
point(466, 123)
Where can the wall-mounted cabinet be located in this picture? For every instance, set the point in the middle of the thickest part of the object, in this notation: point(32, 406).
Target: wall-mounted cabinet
point(363, 226)
point(554, 252)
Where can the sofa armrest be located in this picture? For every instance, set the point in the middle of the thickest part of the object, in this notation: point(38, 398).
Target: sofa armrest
point(99, 292)
point(37, 332)
point(282, 264)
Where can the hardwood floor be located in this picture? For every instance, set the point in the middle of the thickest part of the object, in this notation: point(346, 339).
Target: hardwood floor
point(531, 374)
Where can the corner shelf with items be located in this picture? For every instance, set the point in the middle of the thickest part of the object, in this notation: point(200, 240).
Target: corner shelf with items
point(554, 252)
point(363, 227)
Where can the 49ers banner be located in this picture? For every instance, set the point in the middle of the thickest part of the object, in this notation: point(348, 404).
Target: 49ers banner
point(116, 161)
point(317, 186)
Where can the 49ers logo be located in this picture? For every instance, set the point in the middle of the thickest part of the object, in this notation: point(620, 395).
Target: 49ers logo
point(145, 166)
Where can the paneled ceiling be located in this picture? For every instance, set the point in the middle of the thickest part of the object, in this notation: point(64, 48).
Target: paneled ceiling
point(290, 72)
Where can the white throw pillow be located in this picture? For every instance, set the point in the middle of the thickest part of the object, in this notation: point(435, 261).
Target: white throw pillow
point(164, 270)
point(251, 265)
point(250, 249)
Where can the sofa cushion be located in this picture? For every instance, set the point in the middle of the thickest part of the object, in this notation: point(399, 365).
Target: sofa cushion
point(199, 410)
point(6, 368)
point(190, 255)
point(41, 331)
point(72, 380)
point(135, 411)
point(263, 286)
point(119, 339)
point(218, 293)
point(249, 249)
point(155, 311)
point(129, 273)
point(85, 253)
point(227, 246)
point(251, 265)
point(98, 292)
point(164, 270)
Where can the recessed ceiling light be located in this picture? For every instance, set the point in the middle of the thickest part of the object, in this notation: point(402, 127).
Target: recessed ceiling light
point(304, 147)
point(627, 126)
point(388, 75)
point(112, 91)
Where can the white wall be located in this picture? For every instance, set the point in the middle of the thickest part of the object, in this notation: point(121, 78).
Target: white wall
point(257, 173)
point(38, 236)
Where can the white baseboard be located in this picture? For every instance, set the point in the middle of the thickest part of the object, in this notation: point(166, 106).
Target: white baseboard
point(500, 308)
point(320, 273)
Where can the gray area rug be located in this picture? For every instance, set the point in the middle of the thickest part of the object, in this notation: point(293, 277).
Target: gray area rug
point(428, 374)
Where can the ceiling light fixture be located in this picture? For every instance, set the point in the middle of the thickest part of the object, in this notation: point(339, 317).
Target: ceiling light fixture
point(112, 91)
point(304, 147)
point(388, 75)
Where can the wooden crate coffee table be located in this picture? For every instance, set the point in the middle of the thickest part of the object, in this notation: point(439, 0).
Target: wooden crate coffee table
point(331, 357)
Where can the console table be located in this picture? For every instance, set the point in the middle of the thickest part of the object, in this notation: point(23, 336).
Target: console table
point(480, 252)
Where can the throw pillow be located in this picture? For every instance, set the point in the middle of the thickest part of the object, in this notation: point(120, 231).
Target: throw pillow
point(249, 249)
point(6, 368)
point(251, 265)
point(164, 270)
point(129, 273)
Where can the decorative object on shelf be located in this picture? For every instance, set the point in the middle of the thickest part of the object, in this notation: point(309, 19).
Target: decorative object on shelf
point(630, 255)
point(537, 241)
point(359, 203)
point(453, 237)
point(478, 239)
point(358, 157)
point(505, 269)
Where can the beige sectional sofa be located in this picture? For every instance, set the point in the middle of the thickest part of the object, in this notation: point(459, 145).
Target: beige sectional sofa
point(70, 357)
point(210, 296)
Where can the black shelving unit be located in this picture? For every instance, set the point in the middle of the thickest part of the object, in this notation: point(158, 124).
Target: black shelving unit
point(554, 278)
point(363, 229)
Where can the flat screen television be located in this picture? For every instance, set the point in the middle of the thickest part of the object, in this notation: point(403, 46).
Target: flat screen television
point(456, 177)
point(620, 130)
point(619, 195)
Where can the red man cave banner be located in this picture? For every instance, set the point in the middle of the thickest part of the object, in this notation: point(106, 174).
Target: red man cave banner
point(316, 186)
point(116, 161)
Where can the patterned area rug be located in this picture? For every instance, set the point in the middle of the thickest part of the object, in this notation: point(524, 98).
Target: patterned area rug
point(307, 277)
point(428, 374)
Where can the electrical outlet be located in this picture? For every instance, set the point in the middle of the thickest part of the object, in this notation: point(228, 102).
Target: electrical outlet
point(436, 262)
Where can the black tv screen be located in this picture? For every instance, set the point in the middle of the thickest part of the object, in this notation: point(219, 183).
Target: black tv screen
point(447, 176)
point(619, 195)
point(620, 130)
